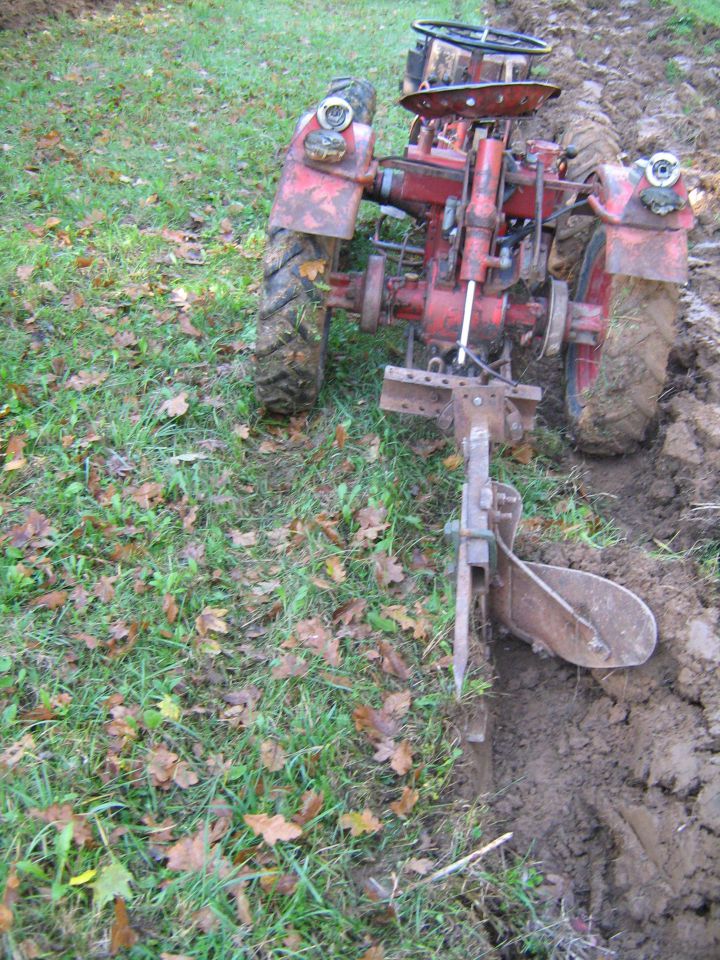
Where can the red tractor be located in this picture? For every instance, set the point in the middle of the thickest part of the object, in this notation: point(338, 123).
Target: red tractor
point(493, 215)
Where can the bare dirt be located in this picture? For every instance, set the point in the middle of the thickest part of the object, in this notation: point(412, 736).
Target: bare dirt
point(32, 14)
point(612, 780)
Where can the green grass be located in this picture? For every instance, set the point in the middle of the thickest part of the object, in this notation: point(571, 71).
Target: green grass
point(118, 131)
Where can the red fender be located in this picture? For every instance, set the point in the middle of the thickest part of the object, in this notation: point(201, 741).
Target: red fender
point(641, 243)
point(323, 198)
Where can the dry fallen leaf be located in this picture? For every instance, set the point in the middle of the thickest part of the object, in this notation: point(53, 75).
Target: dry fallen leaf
point(25, 272)
point(175, 406)
point(50, 601)
point(335, 568)
point(272, 829)
point(210, 621)
point(341, 436)
point(312, 804)
point(276, 882)
point(272, 755)
point(289, 666)
point(311, 268)
point(6, 918)
point(392, 662)
point(86, 379)
point(387, 570)
point(122, 935)
point(402, 757)
point(454, 461)
point(170, 607)
point(311, 633)
point(405, 802)
point(359, 823)
point(240, 539)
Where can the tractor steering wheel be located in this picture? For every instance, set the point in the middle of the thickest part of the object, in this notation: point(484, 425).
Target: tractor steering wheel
point(471, 37)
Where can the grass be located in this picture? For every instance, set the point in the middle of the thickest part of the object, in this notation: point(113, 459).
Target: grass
point(177, 557)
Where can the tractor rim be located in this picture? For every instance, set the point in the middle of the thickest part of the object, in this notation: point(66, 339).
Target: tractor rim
point(587, 356)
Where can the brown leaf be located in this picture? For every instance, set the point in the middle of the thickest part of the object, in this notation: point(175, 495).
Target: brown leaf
point(341, 436)
point(122, 935)
point(350, 612)
point(272, 828)
point(25, 272)
point(311, 633)
point(523, 453)
point(312, 804)
point(240, 539)
point(397, 704)
point(104, 589)
point(170, 607)
point(289, 666)
point(282, 883)
point(191, 854)
point(34, 532)
point(405, 802)
point(392, 662)
point(60, 815)
point(86, 379)
point(374, 953)
point(50, 601)
point(424, 448)
point(387, 570)
point(311, 268)
point(12, 755)
point(210, 621)
point(175, 406)
point(360, 823)
point(161, 766)
point(454, 461)
point(335, 568)
point(147, 494)
point(242, 904)
point(402, 758)
point(187, 327)
point(272, 755)
point(372, 523)
point(6, 918)
point(184, 776)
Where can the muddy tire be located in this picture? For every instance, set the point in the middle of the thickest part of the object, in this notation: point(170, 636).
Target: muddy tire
point(293, 322)
point(612, 391)
point(596, 143)
point(359, 93)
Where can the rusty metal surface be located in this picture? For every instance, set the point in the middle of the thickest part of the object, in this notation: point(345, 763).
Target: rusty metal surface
point(578, 616)
point(324, 201)
point(660, 255)
point(475, 101)
point(434, 395)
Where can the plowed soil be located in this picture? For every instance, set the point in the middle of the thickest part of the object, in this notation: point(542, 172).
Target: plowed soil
point(613, 779)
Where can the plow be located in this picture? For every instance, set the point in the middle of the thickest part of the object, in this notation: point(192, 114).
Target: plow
point(473, 251)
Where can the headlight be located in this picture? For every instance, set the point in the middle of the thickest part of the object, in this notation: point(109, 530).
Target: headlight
point(663, 170)
point(334, 113)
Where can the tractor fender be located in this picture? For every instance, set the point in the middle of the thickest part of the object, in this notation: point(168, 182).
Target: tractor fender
point(639, 242)
point(323, 198)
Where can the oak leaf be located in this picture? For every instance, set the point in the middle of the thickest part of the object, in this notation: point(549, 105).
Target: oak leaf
point(420, 865)
point(122, 935)
point(170, 607)
point(335, 568)
point(311, 268)
point(387, 570)
point(190, 854)
point(50, 601)
point(402, 758)
point(312, 634)
point(272, 755)
point(392, 662)
point(289, 666)
point(312, 804)
point(272, 829)
point(175, 406)
point(86, 379)
point(210, 621)
point(405, 802)
point(282, 883)
point(359, 823)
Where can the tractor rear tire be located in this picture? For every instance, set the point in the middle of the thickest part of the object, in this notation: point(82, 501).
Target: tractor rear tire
point(596, 143)
point(612, 390)
point(293, 322)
